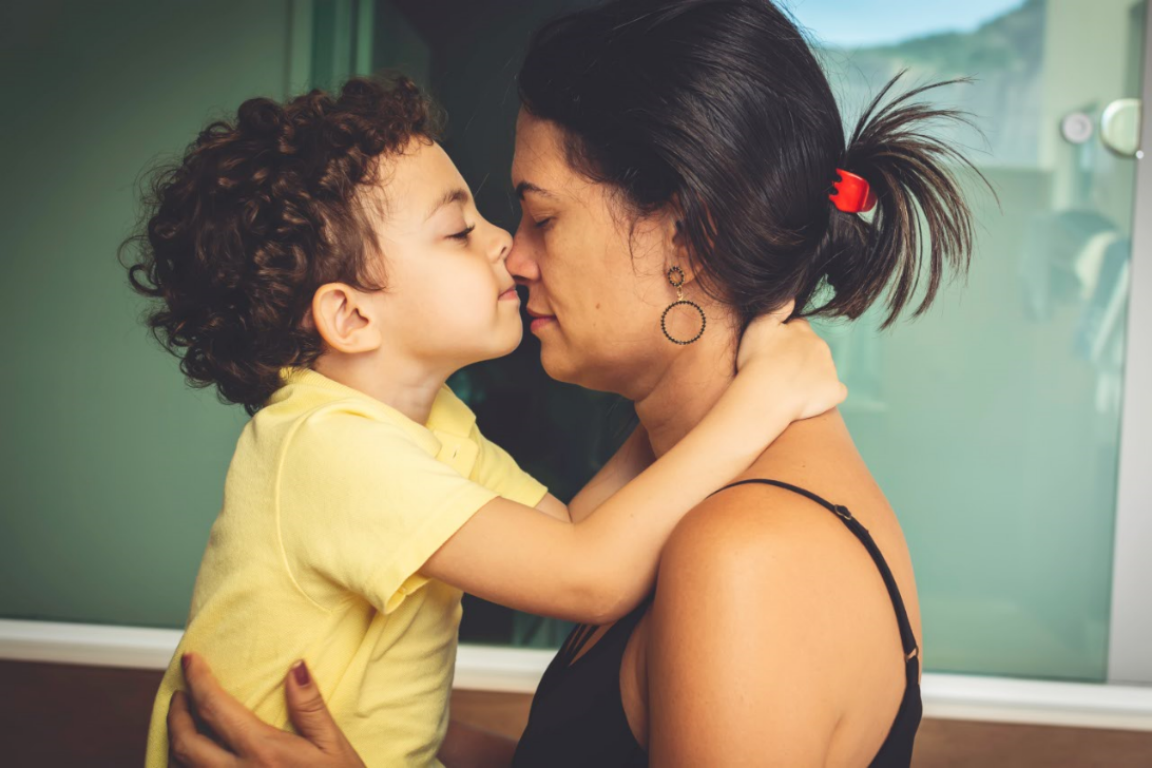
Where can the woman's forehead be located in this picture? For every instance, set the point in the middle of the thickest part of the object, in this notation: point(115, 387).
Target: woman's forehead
point(538, 151)
point(540, 164)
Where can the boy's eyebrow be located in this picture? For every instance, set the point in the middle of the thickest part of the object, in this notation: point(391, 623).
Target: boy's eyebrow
point(527, 186)
point(458, 195)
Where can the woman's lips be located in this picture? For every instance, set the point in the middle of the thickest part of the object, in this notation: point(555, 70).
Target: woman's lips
point(540, 322)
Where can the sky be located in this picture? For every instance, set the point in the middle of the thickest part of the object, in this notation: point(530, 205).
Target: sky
point(852, 23)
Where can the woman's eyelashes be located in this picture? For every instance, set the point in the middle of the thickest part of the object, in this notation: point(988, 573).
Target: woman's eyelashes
point(542, 223)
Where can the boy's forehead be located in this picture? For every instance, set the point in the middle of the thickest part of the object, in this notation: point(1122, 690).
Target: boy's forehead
point(413, 184)
point(419, 177)
point(410, 181)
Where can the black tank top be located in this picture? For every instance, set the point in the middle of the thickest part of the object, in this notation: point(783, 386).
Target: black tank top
point(577, 716)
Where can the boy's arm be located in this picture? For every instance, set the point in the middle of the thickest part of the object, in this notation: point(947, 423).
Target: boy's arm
point(598, 569)
point(553, 507)
point(632, 458)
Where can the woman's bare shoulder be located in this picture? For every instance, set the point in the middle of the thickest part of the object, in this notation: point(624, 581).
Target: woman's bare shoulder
point(738, 587)
point(749, 520)
point(763, 547)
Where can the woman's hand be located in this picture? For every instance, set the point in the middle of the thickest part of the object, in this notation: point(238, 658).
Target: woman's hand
point(249, 740)
point(794, 358)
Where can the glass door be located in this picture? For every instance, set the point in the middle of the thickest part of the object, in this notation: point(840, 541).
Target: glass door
point(992, 423)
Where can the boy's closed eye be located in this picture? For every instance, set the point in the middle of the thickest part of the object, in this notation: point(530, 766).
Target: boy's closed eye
point(463, 234)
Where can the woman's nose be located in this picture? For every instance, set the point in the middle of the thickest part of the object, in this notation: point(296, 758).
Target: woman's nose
point(520, 263)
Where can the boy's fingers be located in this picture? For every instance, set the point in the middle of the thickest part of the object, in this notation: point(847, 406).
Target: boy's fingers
point(186, 746)
point(234, 723)
point(782, 314)
point(308, 711)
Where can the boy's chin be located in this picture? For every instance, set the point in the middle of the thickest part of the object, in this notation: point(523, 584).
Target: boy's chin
point(513, 341)
point(505, 344)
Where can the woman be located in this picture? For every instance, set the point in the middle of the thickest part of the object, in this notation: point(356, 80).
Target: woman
point(694, 147)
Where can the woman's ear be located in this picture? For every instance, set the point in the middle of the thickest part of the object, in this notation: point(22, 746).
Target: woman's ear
point(344, 319)
point(680, 247)
point(680, 253)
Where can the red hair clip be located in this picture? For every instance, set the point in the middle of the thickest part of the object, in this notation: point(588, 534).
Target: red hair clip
point(853, 193)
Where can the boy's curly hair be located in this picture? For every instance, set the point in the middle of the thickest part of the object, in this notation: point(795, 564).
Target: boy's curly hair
point(238, 234)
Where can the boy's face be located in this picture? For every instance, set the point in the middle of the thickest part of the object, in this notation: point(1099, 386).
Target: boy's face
point(449, 299)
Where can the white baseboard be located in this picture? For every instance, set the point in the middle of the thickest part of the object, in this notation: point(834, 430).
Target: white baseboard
point(93, 645)
point(518, 670)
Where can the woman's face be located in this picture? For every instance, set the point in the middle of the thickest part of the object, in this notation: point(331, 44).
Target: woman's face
point(600, 280)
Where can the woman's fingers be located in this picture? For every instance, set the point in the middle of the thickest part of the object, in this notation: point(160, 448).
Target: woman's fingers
point(307, 709)
point(188, 747)
point(313, 721)
point(230, 720)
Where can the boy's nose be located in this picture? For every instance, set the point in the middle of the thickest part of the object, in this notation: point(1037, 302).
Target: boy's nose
point(502, 244)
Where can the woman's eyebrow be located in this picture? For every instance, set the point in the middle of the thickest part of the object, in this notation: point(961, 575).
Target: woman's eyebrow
point(458, 195)
point(527, 186)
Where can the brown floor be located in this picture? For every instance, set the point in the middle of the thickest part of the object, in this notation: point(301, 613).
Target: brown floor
point(55, 715)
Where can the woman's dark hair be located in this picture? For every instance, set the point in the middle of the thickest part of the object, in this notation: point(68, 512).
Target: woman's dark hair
point(720, 109)
point(238, 234)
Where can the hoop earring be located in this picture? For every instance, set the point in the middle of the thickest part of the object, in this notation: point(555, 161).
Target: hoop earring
point(681, 300)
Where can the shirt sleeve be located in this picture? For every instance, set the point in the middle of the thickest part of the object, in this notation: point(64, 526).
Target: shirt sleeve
point(362, 506)
point(496, 469)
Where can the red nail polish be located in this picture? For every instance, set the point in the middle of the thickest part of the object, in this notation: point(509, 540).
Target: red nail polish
point(301, 672)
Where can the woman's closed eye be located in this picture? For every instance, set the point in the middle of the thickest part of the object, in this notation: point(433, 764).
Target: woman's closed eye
point(542, 222)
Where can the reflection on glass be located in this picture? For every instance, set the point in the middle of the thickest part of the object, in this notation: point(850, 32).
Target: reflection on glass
point(993, 424)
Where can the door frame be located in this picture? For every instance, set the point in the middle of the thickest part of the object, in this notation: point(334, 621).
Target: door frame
point(1130, 625)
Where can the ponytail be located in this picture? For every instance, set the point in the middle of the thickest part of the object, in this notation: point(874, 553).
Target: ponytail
point(912, 175)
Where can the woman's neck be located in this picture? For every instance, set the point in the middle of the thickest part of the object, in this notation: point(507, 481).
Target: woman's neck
point(697, 378)
point(689, 387)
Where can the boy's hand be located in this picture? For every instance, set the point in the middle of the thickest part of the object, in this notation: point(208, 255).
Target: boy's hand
point(795, 359)
point(249, 741)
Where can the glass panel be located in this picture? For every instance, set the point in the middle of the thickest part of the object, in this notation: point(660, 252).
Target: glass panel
point(112, 468)
point(993, 422)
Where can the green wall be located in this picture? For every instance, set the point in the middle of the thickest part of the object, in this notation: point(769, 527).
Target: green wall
point(111, 467)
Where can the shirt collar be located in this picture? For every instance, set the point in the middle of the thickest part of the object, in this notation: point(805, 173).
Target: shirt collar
point(449, 413)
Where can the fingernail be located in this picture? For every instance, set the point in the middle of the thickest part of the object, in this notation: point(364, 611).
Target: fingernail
point(300, 670)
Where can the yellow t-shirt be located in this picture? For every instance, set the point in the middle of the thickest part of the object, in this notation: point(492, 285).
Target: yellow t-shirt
point(332, 503)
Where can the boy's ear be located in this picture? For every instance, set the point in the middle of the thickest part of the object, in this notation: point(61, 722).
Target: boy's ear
point(343, 319)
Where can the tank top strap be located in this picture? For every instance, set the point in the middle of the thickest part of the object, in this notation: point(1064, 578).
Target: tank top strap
point(576, 641)
point(907, 638)
point(623, 627)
